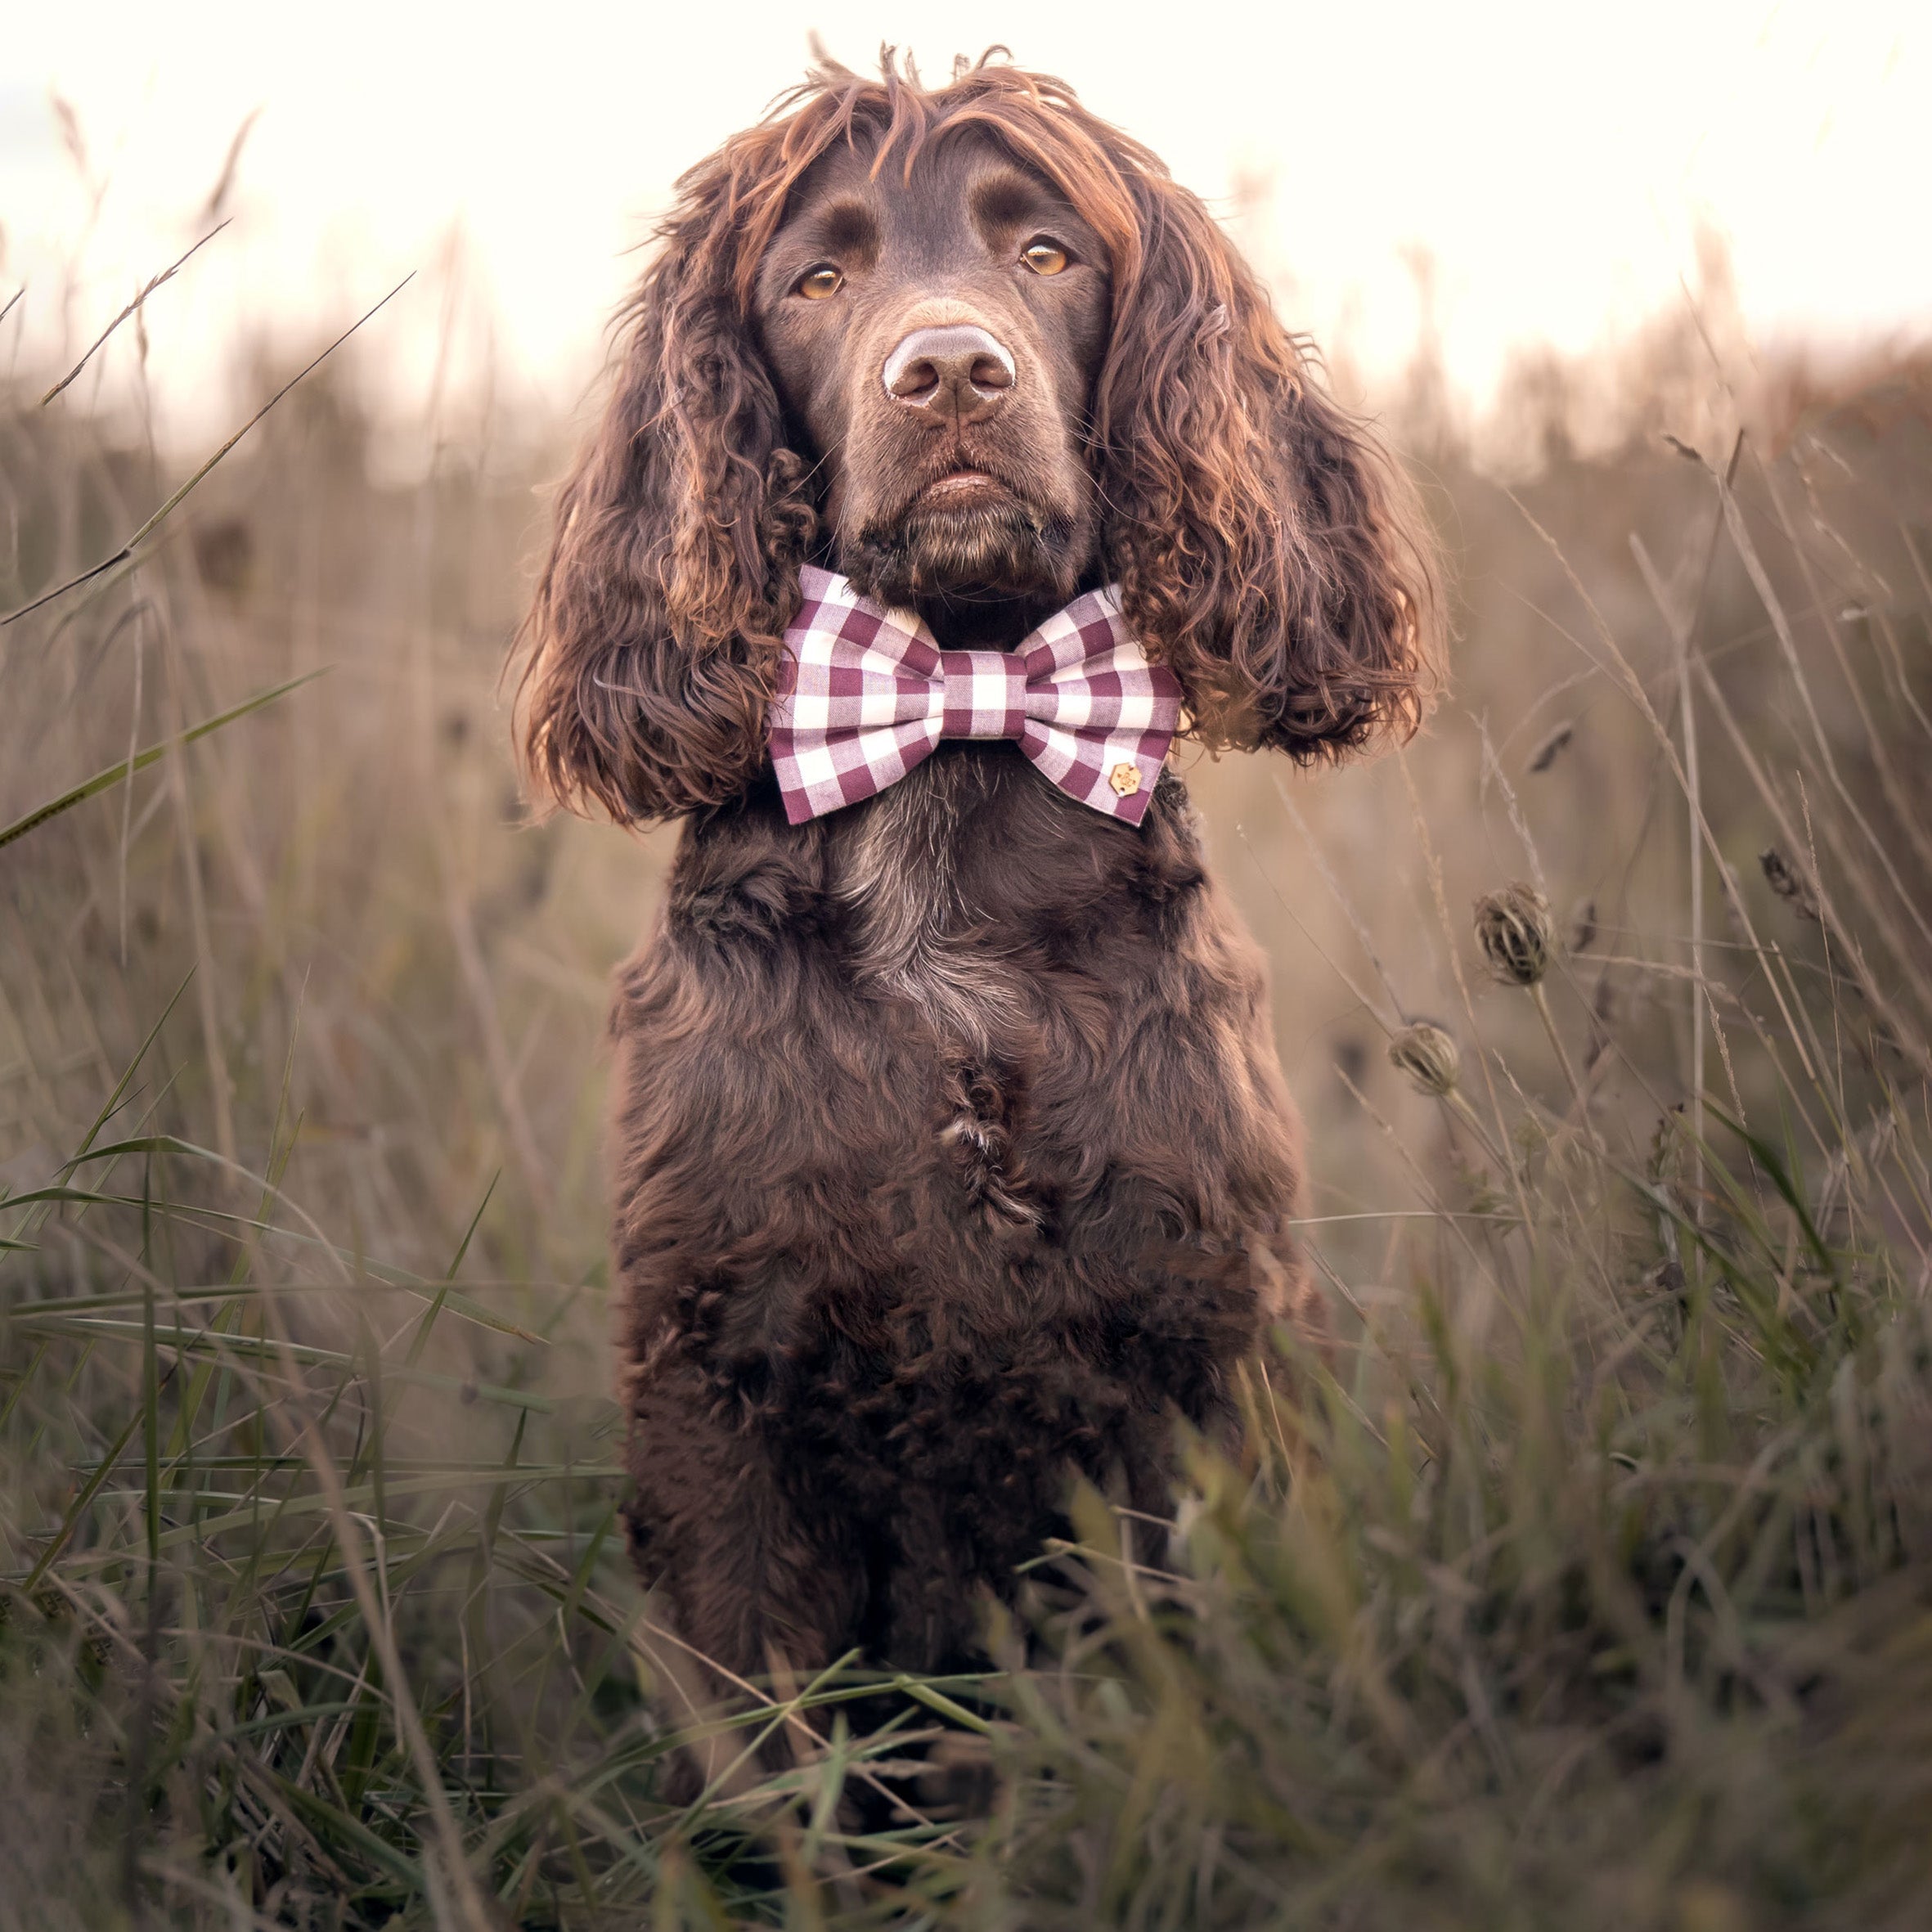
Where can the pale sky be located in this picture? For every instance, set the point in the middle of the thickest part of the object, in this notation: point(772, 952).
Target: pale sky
point(1558, 160)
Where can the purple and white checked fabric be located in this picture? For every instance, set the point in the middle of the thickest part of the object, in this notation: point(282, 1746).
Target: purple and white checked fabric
point(864, 694)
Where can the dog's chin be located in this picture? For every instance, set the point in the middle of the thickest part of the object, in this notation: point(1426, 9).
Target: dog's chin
point(991, 547)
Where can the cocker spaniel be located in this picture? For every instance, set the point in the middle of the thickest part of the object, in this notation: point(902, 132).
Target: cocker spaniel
point(956, 466)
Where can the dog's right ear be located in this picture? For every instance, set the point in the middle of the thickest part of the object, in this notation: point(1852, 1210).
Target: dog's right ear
point(649, 650)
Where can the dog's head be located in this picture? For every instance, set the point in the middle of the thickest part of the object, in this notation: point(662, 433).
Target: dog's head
point(974, 347)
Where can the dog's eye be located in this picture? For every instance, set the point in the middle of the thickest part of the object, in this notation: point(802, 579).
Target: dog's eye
point(816, 283)
point(1044, 257)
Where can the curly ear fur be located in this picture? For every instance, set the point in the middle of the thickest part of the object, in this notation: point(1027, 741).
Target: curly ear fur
point(672, 571)
point(1268, 549)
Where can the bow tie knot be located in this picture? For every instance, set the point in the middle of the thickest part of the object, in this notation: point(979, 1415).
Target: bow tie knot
point(983, 694)
point(864, 694)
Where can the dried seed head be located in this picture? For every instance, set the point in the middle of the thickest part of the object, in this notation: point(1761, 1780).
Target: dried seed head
point(1582, 926)
point(1428, 1056)
point(1514, 929)
point(1788, 883)
point(1665, 1165)
point(1547, 753)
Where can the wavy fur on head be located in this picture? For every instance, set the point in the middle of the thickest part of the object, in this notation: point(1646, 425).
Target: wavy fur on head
point(1266, 548)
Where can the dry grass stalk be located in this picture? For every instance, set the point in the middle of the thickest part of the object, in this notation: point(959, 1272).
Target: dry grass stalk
point(313, 1602)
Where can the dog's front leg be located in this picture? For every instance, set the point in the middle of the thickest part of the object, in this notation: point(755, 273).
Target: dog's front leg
point(759, 1590)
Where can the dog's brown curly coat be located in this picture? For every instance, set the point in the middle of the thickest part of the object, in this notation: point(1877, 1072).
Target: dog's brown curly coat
point(951, 1152)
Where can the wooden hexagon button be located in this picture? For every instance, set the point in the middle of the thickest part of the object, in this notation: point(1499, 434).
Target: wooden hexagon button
point(1124, 777)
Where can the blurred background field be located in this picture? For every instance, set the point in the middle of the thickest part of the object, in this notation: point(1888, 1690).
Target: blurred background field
point(1594, 1587)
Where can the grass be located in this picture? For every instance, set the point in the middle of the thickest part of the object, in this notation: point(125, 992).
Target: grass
point(1592, 1586)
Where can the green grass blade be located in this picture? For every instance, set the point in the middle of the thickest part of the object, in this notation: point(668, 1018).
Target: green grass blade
point(103, 781)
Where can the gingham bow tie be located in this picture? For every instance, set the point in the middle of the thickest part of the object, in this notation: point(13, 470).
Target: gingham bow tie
point(864, 694)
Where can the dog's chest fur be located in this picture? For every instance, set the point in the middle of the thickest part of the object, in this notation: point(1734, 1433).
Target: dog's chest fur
point(920, 931)
point(915, 931)
point(984, 989)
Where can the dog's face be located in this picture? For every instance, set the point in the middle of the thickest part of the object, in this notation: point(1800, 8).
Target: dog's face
point(935, 338)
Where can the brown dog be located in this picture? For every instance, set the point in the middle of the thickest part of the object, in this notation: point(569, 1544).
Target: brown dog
point(951, 1156)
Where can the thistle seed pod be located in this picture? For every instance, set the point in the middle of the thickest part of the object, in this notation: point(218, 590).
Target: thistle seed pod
point(1428, 1057)
point(1514, 930)
point(1788, 883)
point(1666, 1143)
point(1582, 926)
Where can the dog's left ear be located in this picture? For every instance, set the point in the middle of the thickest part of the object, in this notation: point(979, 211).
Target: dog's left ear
point(1268, 549)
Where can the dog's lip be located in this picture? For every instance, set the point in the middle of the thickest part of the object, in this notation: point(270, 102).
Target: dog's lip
point(965, 481)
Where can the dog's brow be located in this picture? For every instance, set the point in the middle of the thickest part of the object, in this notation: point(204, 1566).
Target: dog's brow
point(1008, 197)
point(844, 226)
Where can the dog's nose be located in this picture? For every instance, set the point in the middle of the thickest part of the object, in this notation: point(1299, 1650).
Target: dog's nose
point(957, 373)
